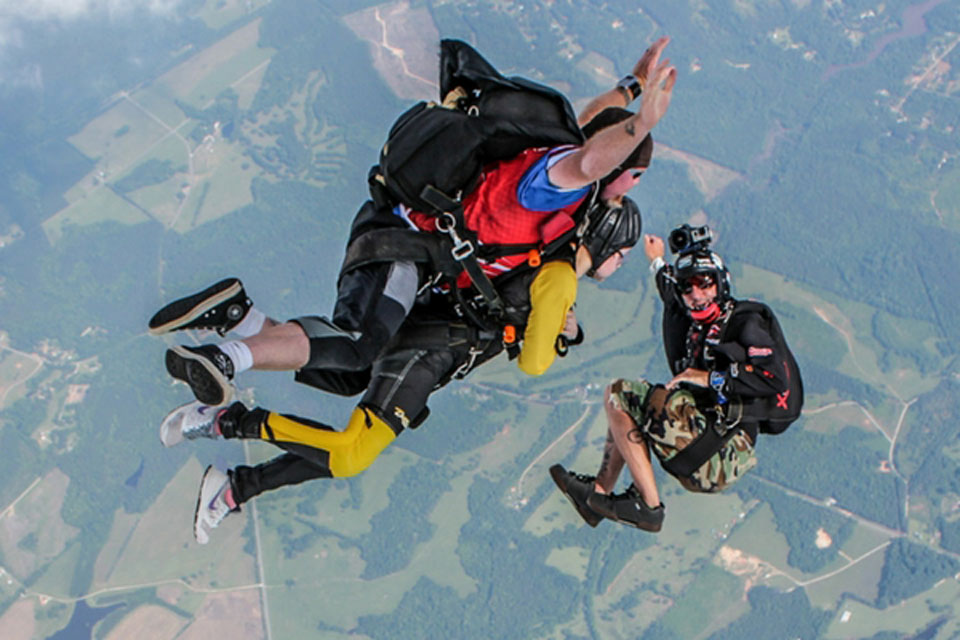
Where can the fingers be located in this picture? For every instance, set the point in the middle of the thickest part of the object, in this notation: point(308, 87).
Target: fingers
point(663, 74)
point(671, 79)
point(660, 83)
point(660, 43)
point(649, 63)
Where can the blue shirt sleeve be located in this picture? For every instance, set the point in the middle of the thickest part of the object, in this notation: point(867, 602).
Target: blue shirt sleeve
point(537, 193)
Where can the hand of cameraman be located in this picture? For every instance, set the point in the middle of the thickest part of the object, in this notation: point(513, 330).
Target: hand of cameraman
point(698, 377)
point(652, 246)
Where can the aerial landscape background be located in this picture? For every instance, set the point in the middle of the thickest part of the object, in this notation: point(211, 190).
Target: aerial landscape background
point(150, 149)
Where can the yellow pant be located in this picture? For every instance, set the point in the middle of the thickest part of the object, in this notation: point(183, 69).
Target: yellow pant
point(351, 450)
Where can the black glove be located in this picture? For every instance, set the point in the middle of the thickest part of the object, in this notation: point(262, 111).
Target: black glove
point(564, 343)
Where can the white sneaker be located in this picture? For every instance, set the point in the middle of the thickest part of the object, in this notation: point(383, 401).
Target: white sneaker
point(191, 421)
point(212, 506)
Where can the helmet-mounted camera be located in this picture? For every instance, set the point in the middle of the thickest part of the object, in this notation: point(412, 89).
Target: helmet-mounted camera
point(686, 239)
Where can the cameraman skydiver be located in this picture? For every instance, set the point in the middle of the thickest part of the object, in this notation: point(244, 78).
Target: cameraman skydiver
point(734, 377)
point(433, 346)
point(515, 197)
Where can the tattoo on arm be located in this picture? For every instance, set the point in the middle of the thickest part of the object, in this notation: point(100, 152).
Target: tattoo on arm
point(631, 130)
point(635, 436)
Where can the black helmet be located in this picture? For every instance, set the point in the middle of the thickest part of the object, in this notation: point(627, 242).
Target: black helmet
point(607, 229)
point(703, 261)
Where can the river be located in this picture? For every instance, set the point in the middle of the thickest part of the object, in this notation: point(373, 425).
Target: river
point(913, 25)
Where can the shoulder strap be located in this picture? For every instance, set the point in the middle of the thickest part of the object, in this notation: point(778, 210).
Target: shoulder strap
point(463, 250)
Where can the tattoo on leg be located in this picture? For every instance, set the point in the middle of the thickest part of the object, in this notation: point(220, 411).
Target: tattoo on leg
point(635, 435)
point(607, 453)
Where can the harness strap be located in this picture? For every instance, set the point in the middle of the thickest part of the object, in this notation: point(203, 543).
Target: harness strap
point(394, 244)
point(463, 252)
point(441, 335)
point(710, 441)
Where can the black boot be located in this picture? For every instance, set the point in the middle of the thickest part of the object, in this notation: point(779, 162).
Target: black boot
point(628, 508)
point(207, 370)
point(577, 487)
point(219, 308)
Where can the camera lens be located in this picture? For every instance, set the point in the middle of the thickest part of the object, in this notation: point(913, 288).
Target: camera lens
point(679, 239)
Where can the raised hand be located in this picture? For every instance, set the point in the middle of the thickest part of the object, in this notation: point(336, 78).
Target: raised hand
point(652, 53)
point(658, 91)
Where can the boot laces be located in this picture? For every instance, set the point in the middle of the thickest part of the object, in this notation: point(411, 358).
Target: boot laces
point(582, 477)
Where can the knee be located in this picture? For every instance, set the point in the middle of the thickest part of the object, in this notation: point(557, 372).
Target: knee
point(369, 346)
point(366, 438)
point(352, 463)
point(611, 398)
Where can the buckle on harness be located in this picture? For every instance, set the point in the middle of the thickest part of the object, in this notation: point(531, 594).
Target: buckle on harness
point(462, 249)
point(431, 282)
point(467, 366)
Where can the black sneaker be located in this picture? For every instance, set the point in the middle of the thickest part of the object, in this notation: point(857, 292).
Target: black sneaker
point(628, 508)
point(206, 369)
point(577, 487)
point(219, 308)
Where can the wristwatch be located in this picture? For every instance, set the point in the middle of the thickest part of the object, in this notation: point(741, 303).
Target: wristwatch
point(717, 379)
point(630, 87)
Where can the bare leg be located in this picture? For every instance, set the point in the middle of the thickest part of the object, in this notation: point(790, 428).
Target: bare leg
point(610, 466)
point(633, 451)
point(279, 347)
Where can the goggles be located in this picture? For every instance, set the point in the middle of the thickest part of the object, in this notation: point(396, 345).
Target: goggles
point(702, 282)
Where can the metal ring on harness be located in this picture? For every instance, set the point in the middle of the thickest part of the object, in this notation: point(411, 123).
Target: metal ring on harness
point(462, 249)
point(730, 426)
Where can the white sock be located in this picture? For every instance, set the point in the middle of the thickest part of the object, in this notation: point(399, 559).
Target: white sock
point(239, 354)
point(251, 324)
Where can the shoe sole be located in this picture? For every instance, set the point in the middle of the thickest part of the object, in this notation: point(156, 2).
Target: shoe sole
point(176, 366)
point(196, 510)
point(636, 525)
point(630, 523)
point(170, 433)
point(558, 474)
point(208, 384)
point(185, 310)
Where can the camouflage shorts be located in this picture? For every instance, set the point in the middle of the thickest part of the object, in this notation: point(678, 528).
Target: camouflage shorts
point(670, 420)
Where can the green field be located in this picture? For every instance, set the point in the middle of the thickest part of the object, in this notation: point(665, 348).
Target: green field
point(907, 618)
point(99, 205)
point(15, 370)
point(218, 13)
point(159, 548)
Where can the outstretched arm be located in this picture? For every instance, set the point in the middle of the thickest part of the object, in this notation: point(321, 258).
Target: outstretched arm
point(604, 152)
point(620, 96)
